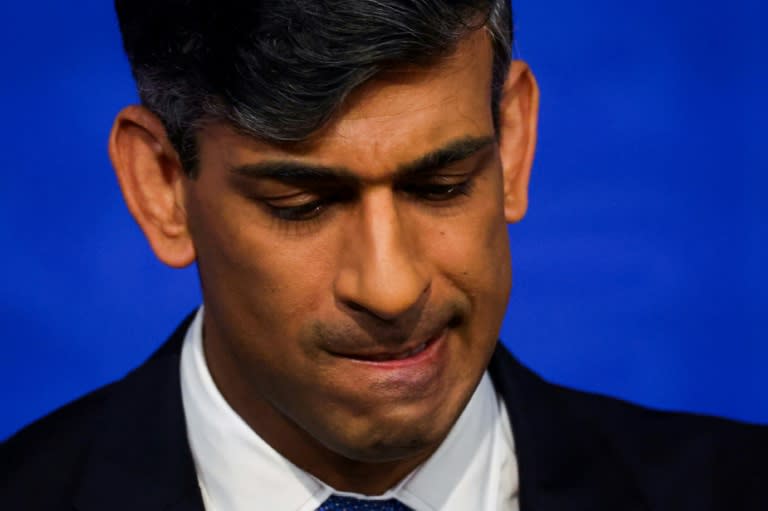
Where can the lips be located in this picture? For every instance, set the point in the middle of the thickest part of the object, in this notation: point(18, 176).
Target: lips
point(391, 355)
point(384, 357)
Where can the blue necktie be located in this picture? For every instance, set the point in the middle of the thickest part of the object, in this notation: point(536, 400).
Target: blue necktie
point(337, 503)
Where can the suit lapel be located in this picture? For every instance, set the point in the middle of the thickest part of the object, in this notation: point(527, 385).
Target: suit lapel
point(564, 462)
point(141, 459)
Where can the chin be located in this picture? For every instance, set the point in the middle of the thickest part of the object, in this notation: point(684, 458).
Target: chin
point(388, 439)
point(392, 449)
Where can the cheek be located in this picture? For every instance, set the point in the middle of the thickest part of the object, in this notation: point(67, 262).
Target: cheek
point(483, 275)
point(472, 258)
point(262, 283)
point(473, 249)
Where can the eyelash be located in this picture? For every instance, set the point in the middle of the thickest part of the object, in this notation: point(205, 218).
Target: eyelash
point(441, 193)
point(304, 212)
point(432, 193)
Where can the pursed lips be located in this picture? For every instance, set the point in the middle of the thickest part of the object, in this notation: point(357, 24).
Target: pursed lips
point(398, 353)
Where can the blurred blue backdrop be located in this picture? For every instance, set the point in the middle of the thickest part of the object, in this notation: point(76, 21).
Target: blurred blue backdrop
point(639, 272)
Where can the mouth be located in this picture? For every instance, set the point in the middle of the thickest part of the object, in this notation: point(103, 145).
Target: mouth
point(408, 353)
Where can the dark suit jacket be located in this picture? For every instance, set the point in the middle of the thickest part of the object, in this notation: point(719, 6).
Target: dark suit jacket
point(124, 448)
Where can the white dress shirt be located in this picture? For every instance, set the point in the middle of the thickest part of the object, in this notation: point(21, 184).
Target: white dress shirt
point(473, 469)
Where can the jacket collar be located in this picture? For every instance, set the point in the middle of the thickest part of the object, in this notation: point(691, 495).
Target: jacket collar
point(143, 421)
point(565, 460)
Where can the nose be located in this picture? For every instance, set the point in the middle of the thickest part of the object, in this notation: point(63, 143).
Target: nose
point(381, 270)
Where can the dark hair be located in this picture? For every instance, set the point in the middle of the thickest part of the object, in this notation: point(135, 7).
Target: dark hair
point(279, 69)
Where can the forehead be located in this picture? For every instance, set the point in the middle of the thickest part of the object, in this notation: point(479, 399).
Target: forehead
point(394, 118)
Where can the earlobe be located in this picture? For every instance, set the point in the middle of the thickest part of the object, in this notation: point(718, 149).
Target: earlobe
point(151, 179)
point(518, 123)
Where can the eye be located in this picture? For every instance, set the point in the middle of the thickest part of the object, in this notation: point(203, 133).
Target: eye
point(295, 213)
point(438, 192)
point(305, 205)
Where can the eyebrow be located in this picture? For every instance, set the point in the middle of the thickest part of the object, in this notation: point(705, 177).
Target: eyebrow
point(453, 152)
point(291, 171)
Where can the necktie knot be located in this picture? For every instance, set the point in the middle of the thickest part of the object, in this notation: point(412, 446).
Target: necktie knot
point(339, 503)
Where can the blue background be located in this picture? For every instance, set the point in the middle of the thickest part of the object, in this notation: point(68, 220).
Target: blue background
point(639, 272)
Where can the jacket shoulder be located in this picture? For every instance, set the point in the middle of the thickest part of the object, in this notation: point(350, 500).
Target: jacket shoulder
point(88, 448)
point(681, 457)
point(684, 460)
point(50, 452)
point(672, 451)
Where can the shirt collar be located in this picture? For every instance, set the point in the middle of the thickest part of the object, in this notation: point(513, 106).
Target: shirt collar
point(238, 471)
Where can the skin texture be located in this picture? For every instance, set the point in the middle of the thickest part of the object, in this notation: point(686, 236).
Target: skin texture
point(367, 263)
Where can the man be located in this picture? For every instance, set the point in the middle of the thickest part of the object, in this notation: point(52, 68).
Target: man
point(342, 172)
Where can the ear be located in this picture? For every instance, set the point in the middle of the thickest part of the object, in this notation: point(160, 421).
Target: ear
point(518, 121)
point(151, 178)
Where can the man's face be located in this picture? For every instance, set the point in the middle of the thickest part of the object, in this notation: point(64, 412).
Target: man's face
point(355, 284)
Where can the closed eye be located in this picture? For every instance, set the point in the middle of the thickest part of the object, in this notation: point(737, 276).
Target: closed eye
point(304, 205)
point(306, 211)
point(438, 192)
point(307, 206)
